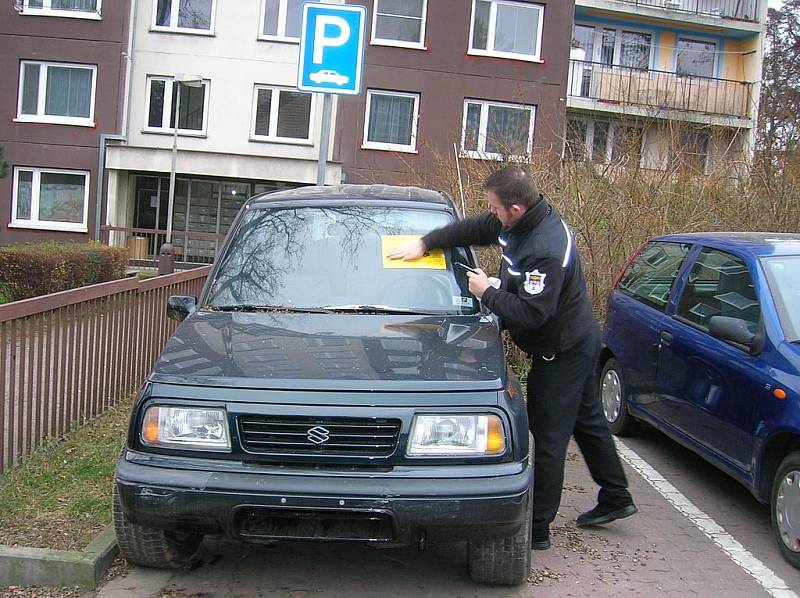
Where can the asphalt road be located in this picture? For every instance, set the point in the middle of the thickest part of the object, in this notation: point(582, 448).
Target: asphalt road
point(658, 552)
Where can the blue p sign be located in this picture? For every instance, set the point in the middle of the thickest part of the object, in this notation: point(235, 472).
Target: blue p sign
point(331, 48)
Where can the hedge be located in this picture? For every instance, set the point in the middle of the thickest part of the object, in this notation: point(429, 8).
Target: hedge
point(30, 270)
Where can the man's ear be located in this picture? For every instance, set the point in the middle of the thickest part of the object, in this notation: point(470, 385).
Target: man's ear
point(517, 210)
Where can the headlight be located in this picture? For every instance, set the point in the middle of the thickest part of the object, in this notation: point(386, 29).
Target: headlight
point(187, 428)
point(456, 435)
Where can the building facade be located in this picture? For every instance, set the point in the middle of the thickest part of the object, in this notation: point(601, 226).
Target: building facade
point(229, 70)
point(65, 63)
point(486, 75)
point(661, 83)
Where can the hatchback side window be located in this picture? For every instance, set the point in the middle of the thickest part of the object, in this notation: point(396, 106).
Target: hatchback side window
point(651, 275)
point(719, 285)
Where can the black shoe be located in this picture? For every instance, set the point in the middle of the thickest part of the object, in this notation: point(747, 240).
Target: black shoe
point(603, 514)
point(540, 540)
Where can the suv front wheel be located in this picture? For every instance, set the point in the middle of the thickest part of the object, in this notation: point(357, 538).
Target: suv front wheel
point(151, 547)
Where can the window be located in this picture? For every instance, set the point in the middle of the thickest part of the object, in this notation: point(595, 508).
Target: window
point(399, 23)
point(50, 198)
point(650, 277)
point(613, 47)
point(494, 130)
point(82, 9)
point(162, 98)
point(718, 285)
point(507, 29)
point(691, 151)
point(783, 275)
point(695, 58)
point(575, 141)
point(391, 121)
point(626, 144)
point(191, 16)
point(603, 141)
point(281, 19)
point(56, 93)
point(281, 115)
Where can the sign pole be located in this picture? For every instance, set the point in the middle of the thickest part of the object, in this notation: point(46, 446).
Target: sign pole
point(324, 138)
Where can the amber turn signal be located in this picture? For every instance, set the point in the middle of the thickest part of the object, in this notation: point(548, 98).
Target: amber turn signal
point(496, 440)
point(150, 427)
point(779, 393)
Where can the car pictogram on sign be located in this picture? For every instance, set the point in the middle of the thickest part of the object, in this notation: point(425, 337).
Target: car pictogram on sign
point(329, 76)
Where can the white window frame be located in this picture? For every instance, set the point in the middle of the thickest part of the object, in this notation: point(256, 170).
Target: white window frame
point(392, 147)
point(34, 222)
point(47, 11)
point(701, 40)
point(167, 110)
point(536, 57)
point(173, 18)
point(597, 46)
point(608, 150)
point(481, 153)
point(281, 35)
point(380, 41)
point(40, 116)
point(274, 107)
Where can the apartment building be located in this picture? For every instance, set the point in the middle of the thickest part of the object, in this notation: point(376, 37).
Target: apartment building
point(653, 83)
point(64, 63)
point(229, 71)
point(486, 75)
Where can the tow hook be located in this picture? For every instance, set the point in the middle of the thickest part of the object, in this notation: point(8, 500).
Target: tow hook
point(422, 543)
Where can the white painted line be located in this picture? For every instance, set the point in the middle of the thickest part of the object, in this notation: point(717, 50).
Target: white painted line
point(773, 584)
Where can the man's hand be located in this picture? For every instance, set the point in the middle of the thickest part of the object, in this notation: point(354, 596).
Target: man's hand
point(409, 251)
point(478, 282)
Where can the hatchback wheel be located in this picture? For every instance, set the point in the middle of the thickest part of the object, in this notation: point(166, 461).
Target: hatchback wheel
point(786, 508)
point(614, 399)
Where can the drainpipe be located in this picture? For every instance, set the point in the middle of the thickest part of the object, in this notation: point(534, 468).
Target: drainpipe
point(105, 137)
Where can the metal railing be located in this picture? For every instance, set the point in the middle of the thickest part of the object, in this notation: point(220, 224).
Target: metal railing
point(742, 10)
point(66, 357)
point(143, 244)
point(658, 90)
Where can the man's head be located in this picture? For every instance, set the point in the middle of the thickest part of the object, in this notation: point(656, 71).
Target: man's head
point(510, 192)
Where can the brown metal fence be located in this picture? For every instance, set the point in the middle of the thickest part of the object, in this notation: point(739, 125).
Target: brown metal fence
point(66, 357)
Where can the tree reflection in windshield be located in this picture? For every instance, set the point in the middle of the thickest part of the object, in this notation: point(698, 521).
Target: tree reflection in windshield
point(315, 257)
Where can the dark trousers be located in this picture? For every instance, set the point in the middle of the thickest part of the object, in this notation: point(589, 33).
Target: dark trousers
point(563, 401)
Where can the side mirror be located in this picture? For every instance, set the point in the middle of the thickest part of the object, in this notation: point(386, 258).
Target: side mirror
point(180, 306)
point(734, 330)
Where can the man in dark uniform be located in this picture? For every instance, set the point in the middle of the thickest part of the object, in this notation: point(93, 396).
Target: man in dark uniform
point(542, 301)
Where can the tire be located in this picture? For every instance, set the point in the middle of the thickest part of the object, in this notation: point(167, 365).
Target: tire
point(785, 508)
point(152, 547)
point(504, 561)
point(614, 399)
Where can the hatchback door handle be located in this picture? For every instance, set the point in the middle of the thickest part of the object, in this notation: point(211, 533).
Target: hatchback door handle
point(666, 337)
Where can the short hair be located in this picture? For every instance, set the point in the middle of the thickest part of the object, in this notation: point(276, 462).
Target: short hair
point(513, 185)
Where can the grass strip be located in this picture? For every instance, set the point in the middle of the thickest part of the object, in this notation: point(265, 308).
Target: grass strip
point(60, 497)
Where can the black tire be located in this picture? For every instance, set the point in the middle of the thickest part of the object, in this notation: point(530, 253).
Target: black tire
point(152, 547)
point(504, 561)
point(784, 505)
point(614, 399)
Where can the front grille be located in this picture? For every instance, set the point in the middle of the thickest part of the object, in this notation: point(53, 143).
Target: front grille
point(343, 436)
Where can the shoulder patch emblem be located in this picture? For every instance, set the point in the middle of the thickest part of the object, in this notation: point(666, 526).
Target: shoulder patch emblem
point(534, 282)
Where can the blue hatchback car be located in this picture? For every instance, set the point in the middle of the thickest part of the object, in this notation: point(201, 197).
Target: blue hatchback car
point(702, 341)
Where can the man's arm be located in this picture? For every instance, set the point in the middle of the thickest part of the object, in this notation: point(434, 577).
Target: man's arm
point(537, 300)
point(477, 230)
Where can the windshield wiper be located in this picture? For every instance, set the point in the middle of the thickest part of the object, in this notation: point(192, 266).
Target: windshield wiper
point(383, 309)
point(269, 308)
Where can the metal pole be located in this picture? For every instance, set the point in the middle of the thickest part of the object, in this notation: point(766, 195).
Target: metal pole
point(324, 138)
point(171, 201)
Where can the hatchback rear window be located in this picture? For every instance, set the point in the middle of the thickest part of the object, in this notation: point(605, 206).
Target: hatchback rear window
point(651, 275)
point(331, 257)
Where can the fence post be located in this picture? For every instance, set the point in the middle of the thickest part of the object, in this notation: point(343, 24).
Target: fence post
point(166, 259)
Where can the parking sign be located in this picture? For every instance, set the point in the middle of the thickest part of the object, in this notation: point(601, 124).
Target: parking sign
point(331, 48)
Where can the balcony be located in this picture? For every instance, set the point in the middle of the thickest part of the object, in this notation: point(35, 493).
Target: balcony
point(658, 94)
point(740, 10)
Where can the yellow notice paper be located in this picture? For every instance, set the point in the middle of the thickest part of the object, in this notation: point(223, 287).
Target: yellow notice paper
point(432, 260)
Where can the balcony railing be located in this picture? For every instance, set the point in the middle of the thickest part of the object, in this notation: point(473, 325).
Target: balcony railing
point(191, 248)
point(742, 10)
point(658, 91)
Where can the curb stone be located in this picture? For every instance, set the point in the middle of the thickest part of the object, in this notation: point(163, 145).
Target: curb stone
point(47, 567)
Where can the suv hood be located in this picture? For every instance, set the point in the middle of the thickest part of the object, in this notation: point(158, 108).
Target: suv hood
point(334, 352)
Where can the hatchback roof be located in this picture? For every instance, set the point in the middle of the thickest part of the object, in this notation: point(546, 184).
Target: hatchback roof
point(756, 243)
point(378, 193)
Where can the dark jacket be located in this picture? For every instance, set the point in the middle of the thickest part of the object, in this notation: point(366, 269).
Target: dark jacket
point(542, 298)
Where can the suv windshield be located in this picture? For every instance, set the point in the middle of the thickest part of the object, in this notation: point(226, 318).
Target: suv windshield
point(332, 258)
point(783, 274)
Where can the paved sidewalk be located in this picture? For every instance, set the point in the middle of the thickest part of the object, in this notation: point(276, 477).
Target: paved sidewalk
point(657, 552)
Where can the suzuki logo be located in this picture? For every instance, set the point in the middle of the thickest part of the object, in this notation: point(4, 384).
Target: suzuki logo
point(318, 435)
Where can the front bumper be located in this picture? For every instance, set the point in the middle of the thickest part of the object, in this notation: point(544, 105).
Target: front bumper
point(390, 506)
